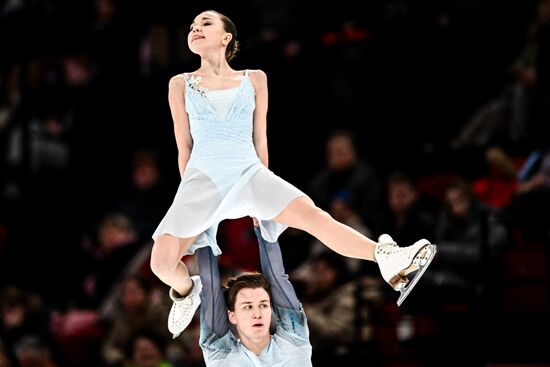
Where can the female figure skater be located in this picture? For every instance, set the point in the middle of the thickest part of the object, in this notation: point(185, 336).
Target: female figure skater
point(219, 117)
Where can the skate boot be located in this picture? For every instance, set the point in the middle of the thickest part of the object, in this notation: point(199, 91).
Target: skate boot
point(183, 309)
point(397, 262)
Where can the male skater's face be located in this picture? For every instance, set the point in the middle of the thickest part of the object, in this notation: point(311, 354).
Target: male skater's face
point(252, 314)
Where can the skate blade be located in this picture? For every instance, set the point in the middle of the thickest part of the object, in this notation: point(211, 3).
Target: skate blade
point(406, 290)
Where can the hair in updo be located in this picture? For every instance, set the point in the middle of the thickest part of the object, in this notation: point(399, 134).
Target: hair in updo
point(229, 27)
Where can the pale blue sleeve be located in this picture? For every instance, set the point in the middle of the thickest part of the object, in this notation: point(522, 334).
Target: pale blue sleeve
point(213, 309)
point(271, 259)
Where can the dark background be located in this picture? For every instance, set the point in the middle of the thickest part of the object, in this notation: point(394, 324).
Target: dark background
point(404, 76)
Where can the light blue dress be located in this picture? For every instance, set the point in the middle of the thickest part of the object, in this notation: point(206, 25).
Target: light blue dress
point(224, 178)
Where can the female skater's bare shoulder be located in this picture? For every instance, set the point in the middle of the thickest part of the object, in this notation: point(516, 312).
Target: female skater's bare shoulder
point(258, 78)
point(257, 75)
point(177, 81)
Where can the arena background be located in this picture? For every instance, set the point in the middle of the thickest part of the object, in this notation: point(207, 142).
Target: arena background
point(83, 86)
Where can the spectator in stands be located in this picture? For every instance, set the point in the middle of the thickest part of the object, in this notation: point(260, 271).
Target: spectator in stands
point(346, 171)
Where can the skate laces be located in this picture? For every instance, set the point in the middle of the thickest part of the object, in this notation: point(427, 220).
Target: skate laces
point(390, 248)
point(184, 308)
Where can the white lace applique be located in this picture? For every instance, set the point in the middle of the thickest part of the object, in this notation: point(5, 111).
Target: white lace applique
point(193, 82)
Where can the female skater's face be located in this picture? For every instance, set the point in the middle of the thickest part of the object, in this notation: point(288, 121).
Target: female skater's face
point(207, 33)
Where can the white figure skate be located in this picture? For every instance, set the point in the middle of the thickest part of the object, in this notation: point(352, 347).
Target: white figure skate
point(397, 262)
point(183, 309)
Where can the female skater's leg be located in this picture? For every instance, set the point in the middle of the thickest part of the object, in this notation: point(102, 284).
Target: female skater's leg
point(303, 214)
point(166, 264)
point(395, 262)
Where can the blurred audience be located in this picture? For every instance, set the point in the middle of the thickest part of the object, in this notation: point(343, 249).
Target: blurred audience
point(24, 314)
point(329, 295)
point(137, 311)
point(469, 235)
point(146, 349)
point(32, 351)
point(497, 184)
point(528, 208)
point(410, 217)
point(345, 171)
point(106, 258)
point(7, 359)
point(145, 199)
point(239, 244)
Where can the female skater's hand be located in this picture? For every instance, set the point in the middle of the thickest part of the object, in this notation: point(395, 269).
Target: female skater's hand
point(256, 222)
